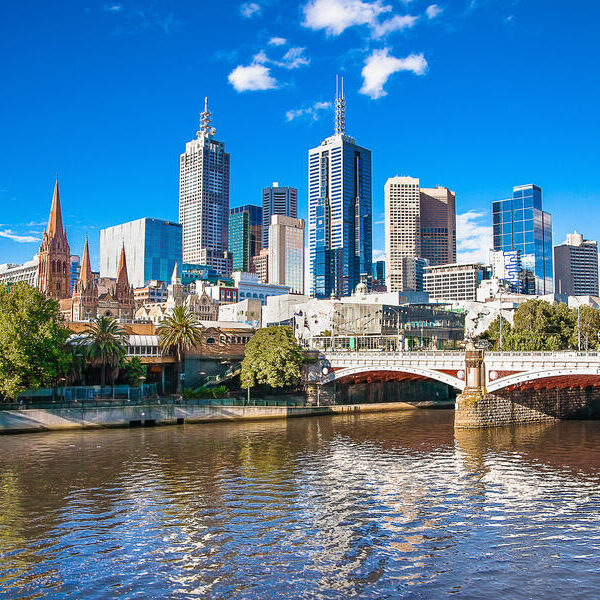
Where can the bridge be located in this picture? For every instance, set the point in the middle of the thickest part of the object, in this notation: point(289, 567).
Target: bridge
point(516, 378)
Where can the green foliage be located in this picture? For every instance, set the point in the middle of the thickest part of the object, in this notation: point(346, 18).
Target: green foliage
point(105, 345)
point(204, 392)
point(179, 332)
point(541, 326)
point(33, 339)
point(135, 370)
point(273, 357)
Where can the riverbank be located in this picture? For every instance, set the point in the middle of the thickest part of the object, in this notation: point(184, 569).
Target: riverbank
point(29, 420)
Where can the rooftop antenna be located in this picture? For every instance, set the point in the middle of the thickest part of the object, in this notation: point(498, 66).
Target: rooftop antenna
point(340, 107)
point(205, 127)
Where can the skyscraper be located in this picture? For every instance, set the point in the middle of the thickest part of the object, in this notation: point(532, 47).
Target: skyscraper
point(420, 230)
point(245, 235)
point(204, 197)
point(519, 223)
point(339, 211)
point(576, 266)
point(277, 200)
point(286, 252)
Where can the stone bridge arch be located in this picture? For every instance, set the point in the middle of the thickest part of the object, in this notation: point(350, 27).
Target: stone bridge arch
point(578, 376)
point(338, 374)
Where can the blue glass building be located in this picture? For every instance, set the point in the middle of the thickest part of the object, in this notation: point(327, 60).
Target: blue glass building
point(245, 235)
point(339, 213)
point(519, 223)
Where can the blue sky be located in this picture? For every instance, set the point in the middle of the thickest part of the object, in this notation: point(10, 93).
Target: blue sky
point(477, 95)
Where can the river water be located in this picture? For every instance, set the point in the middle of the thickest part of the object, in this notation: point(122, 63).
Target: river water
point(393, 505)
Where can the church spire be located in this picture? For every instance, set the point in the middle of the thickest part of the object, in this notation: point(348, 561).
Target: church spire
point(122, 277)
point(55, 224)
point(85, 275)
point(175, 277)
point(340, 107)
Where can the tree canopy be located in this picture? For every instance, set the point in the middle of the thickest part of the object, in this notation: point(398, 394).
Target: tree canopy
point(541, 326)
point(273, 357)
point(105, 344)
point(33, 338)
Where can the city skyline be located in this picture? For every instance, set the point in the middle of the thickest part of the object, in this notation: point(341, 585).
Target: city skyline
point(477, 124)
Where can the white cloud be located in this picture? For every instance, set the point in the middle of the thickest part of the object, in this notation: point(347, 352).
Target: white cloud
point(378, 255)
point(396, 23)
point(252, 78)
point(113, 7)
point(473, 238)
point(380, 66)
point(21, 239)
point(311, 112)
point(293, 59)
point(433, 10)
point(277, 41)
point(249, 9)
point(335, 16)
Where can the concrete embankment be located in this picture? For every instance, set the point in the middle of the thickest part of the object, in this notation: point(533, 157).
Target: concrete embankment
point(55, 419)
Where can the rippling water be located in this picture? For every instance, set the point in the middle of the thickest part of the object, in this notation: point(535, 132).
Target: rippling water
point(394, 505)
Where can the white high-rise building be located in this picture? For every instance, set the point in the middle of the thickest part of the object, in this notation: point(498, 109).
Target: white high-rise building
point(204, 198)
point(286, 252)
point(576, 266)
point(402, 232)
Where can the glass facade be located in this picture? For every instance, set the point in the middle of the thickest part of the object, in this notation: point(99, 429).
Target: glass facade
point(245, 235)
point(340, 217)
point(520, 224)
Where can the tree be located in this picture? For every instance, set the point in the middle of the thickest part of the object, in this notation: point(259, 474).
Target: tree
point(179, 332)
point(105, 344)
point(273, 357)
point(32, 340)
point(492, 334)
point(589, 326)
point(135, 371)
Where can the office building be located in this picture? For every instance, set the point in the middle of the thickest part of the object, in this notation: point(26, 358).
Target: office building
point(420, 226)
point(75, 268)
point(519, 223)
point(507, 268)
point(277, 200)
point(249, 287)
point(576, 266)
point(27, 272)
point(438, 225)
point(339, 212)
point(260, 265)
point(454, 282)
point(245, 235)
point(379, 272)
point(286, 252)
point(152, 246)
point(204, 198)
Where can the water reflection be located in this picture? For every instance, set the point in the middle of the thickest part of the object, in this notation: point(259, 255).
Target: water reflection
point(374, 506)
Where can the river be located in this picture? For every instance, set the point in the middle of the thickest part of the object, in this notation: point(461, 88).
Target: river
point(394, 505)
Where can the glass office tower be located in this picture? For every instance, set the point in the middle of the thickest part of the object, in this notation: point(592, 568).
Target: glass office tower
point(339, 212)
point(245, 235)
point(521, 224)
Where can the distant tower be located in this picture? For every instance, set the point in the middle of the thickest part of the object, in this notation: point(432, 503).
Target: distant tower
point(204, 198)
point(340, 235)
point(277, 200)
point(54, 271)
point(85, 291)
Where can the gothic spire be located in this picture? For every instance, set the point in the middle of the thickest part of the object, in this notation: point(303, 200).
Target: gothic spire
point(122, 277)
point(85, 275)
point(340, 108)
point(55, 224)
point(175, 278)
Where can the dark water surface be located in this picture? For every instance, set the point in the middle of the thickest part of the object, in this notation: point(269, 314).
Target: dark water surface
point(394, 505)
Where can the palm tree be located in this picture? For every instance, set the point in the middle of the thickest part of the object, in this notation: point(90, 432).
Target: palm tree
point(105, 344)
point(180, 332)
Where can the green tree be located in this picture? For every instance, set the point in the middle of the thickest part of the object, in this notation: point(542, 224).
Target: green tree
point(32, 340)
point(589, 325)
point(135, 371)
point(179, 332)
point(273, 357)
point(492, 333)
point(105, 345)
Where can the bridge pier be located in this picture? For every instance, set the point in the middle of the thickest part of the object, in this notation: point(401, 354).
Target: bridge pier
point(476, 408)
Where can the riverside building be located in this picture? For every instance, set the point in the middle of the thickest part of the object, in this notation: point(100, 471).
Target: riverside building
point(339, 212)
point(286, 253)
point(519, 223)
point(245, 235)
point(204, 199)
